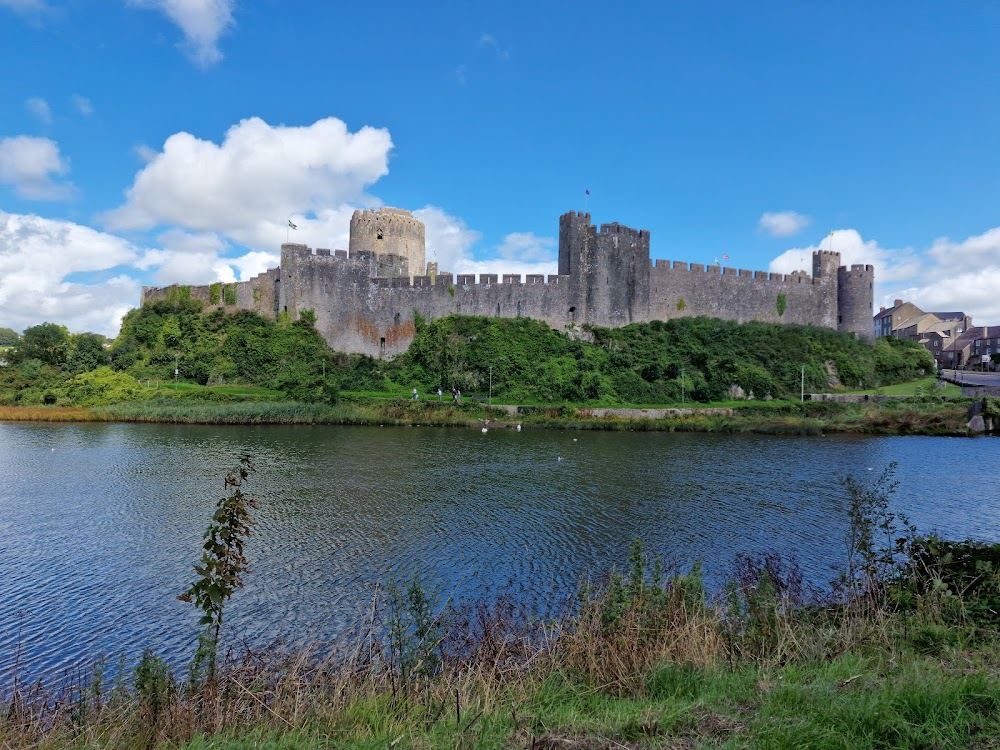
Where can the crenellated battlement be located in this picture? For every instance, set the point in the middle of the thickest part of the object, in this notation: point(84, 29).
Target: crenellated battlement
point(365, 298)
point(465, 280)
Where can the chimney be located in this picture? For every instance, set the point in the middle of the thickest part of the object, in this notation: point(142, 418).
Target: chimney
point(897, 303)
point(882, 309)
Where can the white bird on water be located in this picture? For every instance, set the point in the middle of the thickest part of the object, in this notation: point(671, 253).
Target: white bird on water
point(484, 429)
point(519, 428)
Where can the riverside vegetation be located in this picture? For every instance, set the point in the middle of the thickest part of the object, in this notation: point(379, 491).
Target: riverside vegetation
point(900, 651)
point(175, 362)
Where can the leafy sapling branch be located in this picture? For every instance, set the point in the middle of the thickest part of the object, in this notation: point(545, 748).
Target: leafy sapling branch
point(223, 561)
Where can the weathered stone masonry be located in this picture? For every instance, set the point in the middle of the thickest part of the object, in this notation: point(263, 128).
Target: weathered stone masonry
point(365, 298)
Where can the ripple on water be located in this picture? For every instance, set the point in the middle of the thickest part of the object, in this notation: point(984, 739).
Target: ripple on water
point(101, 523)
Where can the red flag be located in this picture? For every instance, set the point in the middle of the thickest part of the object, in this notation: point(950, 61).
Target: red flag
point(725, 257)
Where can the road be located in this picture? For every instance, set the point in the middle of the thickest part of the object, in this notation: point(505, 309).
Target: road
point(967, 377)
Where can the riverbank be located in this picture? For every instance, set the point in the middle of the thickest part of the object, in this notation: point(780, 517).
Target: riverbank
point(646, 661)
point(898, 417)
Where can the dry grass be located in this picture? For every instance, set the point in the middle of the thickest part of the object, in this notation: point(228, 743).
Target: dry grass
point(51, 414)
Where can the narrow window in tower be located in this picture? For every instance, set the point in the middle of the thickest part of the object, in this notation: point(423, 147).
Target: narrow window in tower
point(378, 234)
point(395, 319)
point(382, 344)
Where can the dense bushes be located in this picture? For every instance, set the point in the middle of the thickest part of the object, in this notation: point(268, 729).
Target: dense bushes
point(659, 362)
point(514, 360)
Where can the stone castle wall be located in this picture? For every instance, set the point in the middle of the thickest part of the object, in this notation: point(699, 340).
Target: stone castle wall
point(365, 300)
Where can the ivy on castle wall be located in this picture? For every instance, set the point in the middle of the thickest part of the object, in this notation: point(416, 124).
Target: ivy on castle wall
point(215, 293)
point(781, 304)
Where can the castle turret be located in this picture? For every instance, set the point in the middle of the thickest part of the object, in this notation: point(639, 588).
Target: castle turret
point(389, 231)
point(855, 297)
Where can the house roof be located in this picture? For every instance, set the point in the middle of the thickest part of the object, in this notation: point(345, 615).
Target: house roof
point(986, 332)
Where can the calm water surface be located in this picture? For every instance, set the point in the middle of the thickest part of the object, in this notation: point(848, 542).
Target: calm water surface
point(100, 524)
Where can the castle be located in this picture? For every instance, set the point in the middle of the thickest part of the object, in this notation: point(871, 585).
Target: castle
point(365, 298)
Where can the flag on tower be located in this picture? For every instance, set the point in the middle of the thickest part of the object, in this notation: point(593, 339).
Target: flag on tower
point(725, 257)
point(291, 224)
point(587, 191)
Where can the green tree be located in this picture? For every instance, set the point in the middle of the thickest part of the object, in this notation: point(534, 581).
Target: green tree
point(88, 352)
point(48, 343)
point(8, 337)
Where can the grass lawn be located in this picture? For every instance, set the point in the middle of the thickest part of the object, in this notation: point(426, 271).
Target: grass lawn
point(950, 390)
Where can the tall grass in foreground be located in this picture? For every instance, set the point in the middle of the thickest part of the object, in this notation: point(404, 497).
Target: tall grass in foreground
point(900, 654)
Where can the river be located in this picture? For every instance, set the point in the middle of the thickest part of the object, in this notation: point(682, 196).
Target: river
point(101, 523)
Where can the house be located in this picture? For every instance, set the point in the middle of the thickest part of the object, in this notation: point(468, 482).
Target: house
point(985, 348)
point(949, 336)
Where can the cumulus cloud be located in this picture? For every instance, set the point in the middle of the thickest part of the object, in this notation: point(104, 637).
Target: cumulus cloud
point(29, 163)
point(451, 243)
point(201, 258)
point(82, 105)
point(201, 21)
point(39, 109)
point(948, 276)
point(782, 223)
point(247, 187)
point(962, 275)
point(37, 257)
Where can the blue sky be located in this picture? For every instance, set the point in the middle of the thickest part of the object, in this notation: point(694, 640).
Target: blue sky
point(169, 141)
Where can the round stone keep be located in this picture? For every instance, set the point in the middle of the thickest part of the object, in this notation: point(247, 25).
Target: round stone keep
point(389, 231)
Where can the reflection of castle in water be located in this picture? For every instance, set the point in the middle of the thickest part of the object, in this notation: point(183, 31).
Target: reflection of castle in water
point(365, 298)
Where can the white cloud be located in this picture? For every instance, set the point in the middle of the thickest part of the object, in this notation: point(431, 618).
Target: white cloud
point(450, 243)
point(200, 258)
point(948, 276)
point(260, 176)
point(962, 275)
point(782, 223)
point(37, 256)
point(527, 246)
point(82, 105)
point(28, 163)
point(39, 109)
point(201, 21)
point(461, 76)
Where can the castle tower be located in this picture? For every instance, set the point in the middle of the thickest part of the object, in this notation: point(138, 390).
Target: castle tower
point(576, 239)
point(855, 297)
point(608, 271)
point(389, 231)
point(825, 264)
